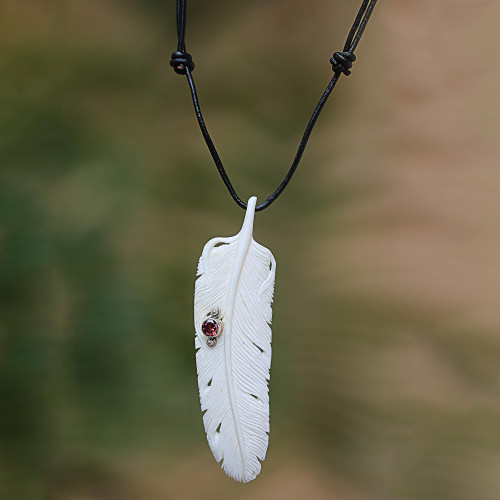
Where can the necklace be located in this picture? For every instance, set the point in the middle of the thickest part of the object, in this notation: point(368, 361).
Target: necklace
point(233, 296)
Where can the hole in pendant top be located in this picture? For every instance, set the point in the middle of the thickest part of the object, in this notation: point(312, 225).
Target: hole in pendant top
point(210, 327)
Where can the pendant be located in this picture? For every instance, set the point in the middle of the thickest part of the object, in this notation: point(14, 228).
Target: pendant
point(232, 317)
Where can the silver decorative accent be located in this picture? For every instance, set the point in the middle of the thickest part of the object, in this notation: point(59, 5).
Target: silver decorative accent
point(214, 313)
point(211, 342)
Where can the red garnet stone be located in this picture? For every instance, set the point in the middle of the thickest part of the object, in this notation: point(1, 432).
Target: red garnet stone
point(210, 327)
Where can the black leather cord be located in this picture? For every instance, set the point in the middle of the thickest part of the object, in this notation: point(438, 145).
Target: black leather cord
point(183, 64)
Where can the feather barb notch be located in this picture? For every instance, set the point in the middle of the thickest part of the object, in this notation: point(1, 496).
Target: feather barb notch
point(233, 296)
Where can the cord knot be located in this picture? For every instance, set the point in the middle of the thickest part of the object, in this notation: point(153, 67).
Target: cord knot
point(342, 62)
point(180, 61)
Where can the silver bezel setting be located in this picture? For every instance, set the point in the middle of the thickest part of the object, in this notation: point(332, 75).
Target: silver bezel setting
point(213, 315)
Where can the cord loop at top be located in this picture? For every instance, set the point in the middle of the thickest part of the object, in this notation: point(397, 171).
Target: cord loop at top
point(342, 62)
point(180, 61)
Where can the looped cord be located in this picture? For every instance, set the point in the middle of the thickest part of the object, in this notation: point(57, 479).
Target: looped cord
point(342, 62)
point(180, 61)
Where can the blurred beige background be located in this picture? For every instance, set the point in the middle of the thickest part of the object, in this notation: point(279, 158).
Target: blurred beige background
point(385, 379)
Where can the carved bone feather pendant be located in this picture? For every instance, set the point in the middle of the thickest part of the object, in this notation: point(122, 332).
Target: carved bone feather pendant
point(232, 316)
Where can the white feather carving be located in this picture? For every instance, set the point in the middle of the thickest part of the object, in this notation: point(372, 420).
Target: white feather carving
point(236, 275)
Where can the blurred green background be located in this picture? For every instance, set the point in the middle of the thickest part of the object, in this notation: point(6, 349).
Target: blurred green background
point(385, 378)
